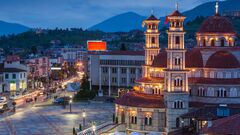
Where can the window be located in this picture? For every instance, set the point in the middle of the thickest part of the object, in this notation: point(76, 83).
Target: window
point(13, 86)
point(177, 40)
point(233, 92)
point(6, 76)
point(104, 69)
point(210, 92)
point(204, 42)
point(21, 75)
point(153, 40)
point(133, 70)
point(132, 80)
point(14, 76)
point(114, 70)
point(124, 70)
point(223, 111)
point(148, 120)
point(177, 61)
point(178, 82)
point(222, 42)
point(201, 91)
point(124, 80)
point(177, 104)
point(212, 42)
point(133, 116)
point(114, 80)
point(221, 93)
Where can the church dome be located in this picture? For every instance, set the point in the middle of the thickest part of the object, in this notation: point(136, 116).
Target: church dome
point(222, 59)
point(217, 24)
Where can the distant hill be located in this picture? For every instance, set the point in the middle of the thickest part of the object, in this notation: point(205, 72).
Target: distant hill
point(11, 28)
point(129, 21)
point(120, 23)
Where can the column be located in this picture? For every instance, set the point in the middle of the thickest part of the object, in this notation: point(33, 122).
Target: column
point(118, 76)
point(128, 77)
point(100, 79)
point(109, 81)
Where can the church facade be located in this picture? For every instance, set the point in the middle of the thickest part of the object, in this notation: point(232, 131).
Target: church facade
point(177, 82)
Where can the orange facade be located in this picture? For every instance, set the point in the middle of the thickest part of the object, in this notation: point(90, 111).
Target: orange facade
point(97, 46)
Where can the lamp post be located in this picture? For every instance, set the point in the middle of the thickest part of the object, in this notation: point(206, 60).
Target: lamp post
point(84, 116)
point(70, 103)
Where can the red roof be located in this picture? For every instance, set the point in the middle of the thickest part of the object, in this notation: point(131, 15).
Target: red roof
point(150, 80)
point(193, 59)
point(217, 24)
point(222, 59)
point(13, 58)
point(201, 80)
point(225, 126)
point(175, 13)
point(135, 99)
point(152, 18)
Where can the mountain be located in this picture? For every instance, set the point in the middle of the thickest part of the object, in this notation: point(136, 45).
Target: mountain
point(120, 23)
point(11, 28)
point(129, 21)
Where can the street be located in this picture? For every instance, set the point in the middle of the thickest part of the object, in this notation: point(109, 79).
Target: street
point(53, 119)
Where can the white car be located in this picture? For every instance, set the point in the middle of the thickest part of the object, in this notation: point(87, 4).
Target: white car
point(3, 99)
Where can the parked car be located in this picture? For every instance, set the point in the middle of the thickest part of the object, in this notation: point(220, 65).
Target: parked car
point(12, 97)
point(61, 100)
point(3, 99)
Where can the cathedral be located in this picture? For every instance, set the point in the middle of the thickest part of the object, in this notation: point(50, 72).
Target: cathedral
point(183, 89)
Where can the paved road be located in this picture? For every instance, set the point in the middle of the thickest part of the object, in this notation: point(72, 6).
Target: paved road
point(53, 120)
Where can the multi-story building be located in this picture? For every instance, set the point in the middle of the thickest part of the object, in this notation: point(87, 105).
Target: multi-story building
point(114, 69)
point(182, 87)
point(14, 75)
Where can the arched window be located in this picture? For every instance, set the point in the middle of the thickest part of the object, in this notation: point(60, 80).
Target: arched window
point(204, 42)
point(230, 42)
point(177, 104)
point(221, 92)
point(201, 91)
point(133, 116)
point(148, 120)
point(178, 82)
point(222, 42)
point(177, 60)
point(212, 42)
point(210, 92)
point(233, 92)
point(177, 40)
point(153, 40)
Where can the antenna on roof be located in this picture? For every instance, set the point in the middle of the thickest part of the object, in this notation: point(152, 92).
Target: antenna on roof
point(217, 7)
point(152, 11)
point(177, 5)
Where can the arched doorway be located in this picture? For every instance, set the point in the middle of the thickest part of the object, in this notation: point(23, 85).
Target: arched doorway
point(212, 42)
point(222, 42)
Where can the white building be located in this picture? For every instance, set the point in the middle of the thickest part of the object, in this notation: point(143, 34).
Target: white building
point(115, 69)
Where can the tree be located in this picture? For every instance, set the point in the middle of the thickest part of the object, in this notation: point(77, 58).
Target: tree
point(123, 47)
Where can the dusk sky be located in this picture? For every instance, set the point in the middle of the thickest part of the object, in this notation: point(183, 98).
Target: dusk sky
point(82, 13)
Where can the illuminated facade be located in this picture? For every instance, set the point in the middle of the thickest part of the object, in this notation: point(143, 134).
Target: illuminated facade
point(177, 81)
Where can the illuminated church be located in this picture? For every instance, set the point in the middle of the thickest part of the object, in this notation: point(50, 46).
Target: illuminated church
point(184, 88)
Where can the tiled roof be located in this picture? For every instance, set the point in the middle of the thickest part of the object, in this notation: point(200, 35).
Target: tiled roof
point(151, 80)
point(201, 80)
point(222, 59)
point(151, 18)
point(225, 126)
point(135, 99)
point(12, 70)
point(175, 13)
point(13, 58)
point(193, 59)
point(217, 24)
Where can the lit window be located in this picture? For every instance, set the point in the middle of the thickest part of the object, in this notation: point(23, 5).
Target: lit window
point(13, 86)
point(133, 116)
point(148, 120)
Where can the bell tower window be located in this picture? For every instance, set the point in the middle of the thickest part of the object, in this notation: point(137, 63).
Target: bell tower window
point(212, 42)
point(177, 61)
point(222, 42)
point(178, 82)
point(177, 41)
point(153, 40)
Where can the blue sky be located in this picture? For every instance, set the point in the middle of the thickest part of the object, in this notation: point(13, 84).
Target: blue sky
point(82, 13)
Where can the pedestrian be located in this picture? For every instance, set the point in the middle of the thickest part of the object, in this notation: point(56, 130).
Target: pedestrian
point(35, 99)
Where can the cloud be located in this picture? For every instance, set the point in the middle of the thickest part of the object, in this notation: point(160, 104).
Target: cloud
point(81, 13)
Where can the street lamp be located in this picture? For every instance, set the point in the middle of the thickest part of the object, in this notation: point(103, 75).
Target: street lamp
point(84, 116)
point(70, 103)
point(94, 129)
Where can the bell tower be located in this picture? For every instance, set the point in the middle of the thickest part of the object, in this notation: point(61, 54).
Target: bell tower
point(176, 81)
point(151, 42)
